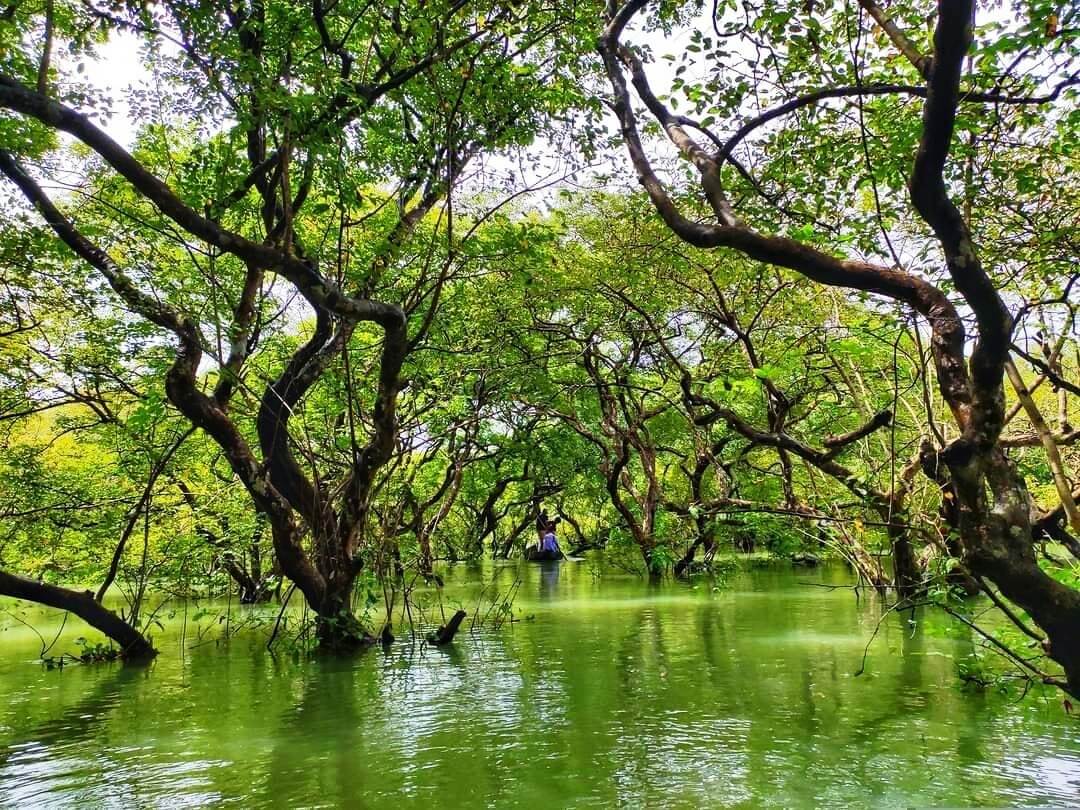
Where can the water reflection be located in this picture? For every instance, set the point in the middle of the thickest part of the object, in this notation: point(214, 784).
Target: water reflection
point(618, 692)
point(549, 579)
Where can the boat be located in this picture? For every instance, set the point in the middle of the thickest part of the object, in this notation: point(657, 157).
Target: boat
point(533, 554)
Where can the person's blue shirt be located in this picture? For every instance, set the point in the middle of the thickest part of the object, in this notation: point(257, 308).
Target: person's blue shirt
point(549, 543)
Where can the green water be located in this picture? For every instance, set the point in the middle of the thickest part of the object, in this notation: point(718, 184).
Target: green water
point(617, 693)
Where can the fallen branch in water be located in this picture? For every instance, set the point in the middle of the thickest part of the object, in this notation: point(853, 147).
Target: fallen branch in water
point(445, 634)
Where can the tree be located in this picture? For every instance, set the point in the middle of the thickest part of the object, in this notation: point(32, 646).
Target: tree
point(993, 509)
point(321, 104)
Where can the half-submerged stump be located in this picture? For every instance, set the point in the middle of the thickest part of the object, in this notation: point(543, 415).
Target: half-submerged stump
point(445, 634)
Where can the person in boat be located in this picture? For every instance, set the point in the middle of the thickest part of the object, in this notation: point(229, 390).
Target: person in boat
point(549, 543)
point(542, 524)
point(542, 521)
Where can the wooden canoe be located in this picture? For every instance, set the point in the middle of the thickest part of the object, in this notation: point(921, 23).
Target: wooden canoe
point(535, 555)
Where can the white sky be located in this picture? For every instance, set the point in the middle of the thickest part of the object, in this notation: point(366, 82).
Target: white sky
point(119, 68)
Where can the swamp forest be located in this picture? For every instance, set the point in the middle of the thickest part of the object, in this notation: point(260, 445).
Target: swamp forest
point(539, 403)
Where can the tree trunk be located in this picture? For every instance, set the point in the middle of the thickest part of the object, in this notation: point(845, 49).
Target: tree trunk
point(704, 537)
point(82, 603)
point(1054, 607)
point(906, 574)
point(508, 544)
point(337, 627)
point(998, 545)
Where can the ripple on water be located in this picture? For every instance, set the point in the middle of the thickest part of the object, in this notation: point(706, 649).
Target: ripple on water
point(618, 693)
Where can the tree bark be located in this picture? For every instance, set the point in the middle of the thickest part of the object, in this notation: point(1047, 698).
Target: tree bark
point(132, 643)
point(336, 626)
point(992, 507)
point(445, 634)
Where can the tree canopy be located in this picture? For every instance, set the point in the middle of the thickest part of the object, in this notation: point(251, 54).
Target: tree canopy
point(375, 283)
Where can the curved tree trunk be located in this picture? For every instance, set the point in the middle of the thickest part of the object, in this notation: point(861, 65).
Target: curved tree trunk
point(992, 506)
point(997, 544)
point(82, 603)
point(511, 538)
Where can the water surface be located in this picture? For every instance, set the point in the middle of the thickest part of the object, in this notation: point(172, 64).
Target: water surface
point(609, 692)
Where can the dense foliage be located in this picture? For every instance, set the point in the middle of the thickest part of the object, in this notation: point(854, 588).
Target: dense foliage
point(375, 283)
